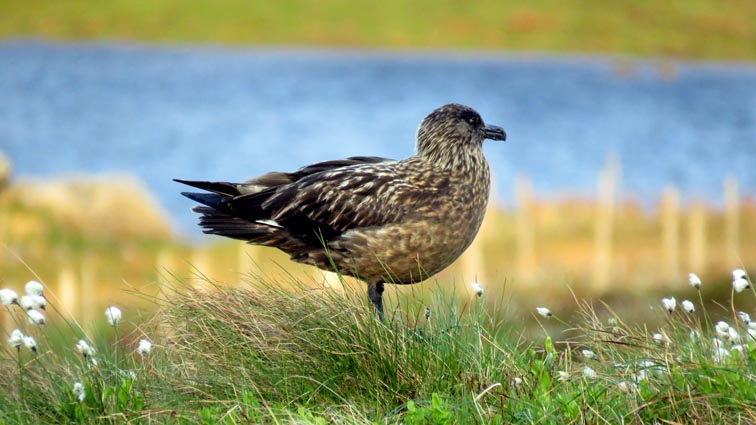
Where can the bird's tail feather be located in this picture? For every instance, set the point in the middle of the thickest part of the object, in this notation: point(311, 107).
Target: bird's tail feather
point(220, 188)
point(219, 223)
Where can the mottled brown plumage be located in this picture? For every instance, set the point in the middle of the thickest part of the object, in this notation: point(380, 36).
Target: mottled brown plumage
point(379, 220)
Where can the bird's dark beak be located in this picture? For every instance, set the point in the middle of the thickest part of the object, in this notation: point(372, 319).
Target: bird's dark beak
point(494, 132)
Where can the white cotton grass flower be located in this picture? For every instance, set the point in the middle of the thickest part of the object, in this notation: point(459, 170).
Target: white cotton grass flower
point(34, 288)
point(589, 373)
point(545, 312)
point(669, 304)
point(717, 343)
point(720, 354)
point(84, 348)
point(114, 315)
point(477, 288)
point(16, 339)
point(660, 338)
point(626, 386)
point(30, 343)
point(737, 349)
point(722, 327)
point(79, 391)
point(688, 306)
point(588, 354)
point(739, 274)
point(752, 333)
point(745, 317)
point(35, 317)
point(8, 297)
point(145, 347)
point(517, 381)
point(563, 376)
point(740, 285)
point(694, 280)
point(732, 335)
point(695, 335)
point(29, 302)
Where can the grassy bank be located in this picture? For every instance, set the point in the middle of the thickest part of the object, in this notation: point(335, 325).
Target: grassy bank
point(266, 355)
point(679, 28)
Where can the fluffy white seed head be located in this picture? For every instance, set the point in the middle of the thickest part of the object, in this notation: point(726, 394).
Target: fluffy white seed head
point(35, 317)
point(563, 376)
point(34, 288)
point(745, 317)
point(29, 302)
point(722, 329)
point(545, 312)
point(660, 338)
point(589, 373)
point(738, 274)
point(588, 354)
point(145, 347)
point(720, 354)
point(16, 339)
point(79, 392)
point(477, 288)
point(626, 386)
point(688, 306)
point(30, 343)
point(737, 348)
point(695, 335)
point(694, 280)
point(669, 304)
point(114, 315)
point(733, 336)
point(517, 381)
point(740, 284)
point(8, 297)
point(84, 348)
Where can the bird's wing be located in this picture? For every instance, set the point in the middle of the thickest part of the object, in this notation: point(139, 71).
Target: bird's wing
point(328, 203)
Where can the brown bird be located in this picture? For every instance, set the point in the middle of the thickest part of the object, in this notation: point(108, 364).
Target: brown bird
point(376, 219)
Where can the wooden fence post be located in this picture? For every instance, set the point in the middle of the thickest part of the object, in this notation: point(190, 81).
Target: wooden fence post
point(697, 237)
point(69, 293)
point(670, 224)
point(524, 229)
point(731, 221)
point(607, 187)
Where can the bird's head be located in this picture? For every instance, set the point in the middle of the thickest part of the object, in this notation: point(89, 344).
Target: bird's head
point(453, 129)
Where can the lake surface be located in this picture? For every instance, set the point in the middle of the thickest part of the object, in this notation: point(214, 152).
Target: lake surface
point(229, 114)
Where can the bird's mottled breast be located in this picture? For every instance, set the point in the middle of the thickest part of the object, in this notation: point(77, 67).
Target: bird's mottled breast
point(447, 208)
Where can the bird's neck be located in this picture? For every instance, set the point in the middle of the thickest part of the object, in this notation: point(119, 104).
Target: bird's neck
point(458, 158)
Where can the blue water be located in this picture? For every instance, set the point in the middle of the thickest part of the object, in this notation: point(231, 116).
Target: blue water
point(229, 114)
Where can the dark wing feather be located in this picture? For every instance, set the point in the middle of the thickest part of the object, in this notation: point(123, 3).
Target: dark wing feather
point(315, 203)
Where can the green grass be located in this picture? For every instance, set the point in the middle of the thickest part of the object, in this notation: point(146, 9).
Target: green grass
point(678, 28)
point(263, 354)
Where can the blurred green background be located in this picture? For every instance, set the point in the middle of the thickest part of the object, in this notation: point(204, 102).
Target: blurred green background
point(677, 28)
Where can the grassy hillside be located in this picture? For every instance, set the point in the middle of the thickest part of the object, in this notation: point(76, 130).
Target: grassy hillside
point(678, 28)
point(266, 355)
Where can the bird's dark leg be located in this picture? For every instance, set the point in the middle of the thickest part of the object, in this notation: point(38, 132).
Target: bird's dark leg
point(375, 293)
